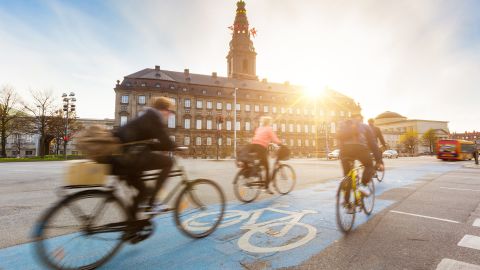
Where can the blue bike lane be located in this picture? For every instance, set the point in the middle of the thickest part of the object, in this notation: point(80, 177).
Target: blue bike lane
point(278, 232)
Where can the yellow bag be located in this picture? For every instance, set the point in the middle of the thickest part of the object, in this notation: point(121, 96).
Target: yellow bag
point(98, 143)
point(86, 172)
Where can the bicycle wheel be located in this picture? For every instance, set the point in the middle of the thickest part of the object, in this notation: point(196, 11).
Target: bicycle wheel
point(284, 179)
point(379, 175)
point(199, 197)
point(246, 186)
point(345, 209)
point(65, 235)
point(369, 202)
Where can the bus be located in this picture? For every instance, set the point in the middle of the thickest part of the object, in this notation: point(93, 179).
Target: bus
point(455, 149)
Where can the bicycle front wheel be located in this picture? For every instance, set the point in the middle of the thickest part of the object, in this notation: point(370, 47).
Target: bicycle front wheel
point(345, 208)
point(379, 175)
point(66, 237)
point(199, 208)
point(246, 185)
point(369, 202)
point(284, 179)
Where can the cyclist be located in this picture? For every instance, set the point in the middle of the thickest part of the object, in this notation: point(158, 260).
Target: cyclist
point(149, 126)
point(356, 142)
point(264, 135)
point(377, 133)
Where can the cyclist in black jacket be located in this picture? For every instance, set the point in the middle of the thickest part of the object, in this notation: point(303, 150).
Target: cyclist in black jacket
point(377, 133)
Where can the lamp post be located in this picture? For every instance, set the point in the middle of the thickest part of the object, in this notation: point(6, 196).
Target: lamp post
point(68, 106)
point(235, 122)
point(219, 127)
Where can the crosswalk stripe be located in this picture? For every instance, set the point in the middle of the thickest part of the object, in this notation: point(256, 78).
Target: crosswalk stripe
point(448, 264)
point(470, 241)
point(476, 223)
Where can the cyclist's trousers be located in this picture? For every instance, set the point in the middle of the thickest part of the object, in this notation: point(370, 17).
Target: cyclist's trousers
point(352, 152)
point(262, 153)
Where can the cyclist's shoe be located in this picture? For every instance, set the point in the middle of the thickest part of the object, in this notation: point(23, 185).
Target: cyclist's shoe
point(144, 229)
point(364, 190)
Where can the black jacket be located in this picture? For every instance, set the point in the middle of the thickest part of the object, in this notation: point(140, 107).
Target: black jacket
point(146, 127)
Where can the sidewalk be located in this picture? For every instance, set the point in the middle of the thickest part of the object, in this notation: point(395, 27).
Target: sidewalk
point(472, 166)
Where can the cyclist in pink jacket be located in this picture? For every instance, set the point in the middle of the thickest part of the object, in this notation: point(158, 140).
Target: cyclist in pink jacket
point(264, 135)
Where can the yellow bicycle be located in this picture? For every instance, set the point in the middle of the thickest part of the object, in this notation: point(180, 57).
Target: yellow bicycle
point(350, 200)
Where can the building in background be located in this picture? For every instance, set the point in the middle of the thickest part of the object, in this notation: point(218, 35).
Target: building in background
point(206, 110)
point(469, 136)
point(394, 125)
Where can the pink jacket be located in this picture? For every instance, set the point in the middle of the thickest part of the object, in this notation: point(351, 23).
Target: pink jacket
point(264, 135)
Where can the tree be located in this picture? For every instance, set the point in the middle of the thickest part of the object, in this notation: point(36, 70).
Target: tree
point(21, 126)
point(429, 139)
point(56, 127)
point(8, 113)
point(41, 108)
point(409, 140)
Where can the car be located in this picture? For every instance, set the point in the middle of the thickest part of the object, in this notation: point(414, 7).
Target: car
point(390, 154)
point(334, 154)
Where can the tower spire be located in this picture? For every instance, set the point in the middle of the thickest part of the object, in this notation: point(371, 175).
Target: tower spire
point(241, 58)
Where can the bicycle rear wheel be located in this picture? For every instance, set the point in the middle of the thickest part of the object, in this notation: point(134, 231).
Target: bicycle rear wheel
point(284, 179)
point(199, 208)
point(65, 235)
point(369, 202)
point(345, 208)
point(246, 185)
point(379, 175)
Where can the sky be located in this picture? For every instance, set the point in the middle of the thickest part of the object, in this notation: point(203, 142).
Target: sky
point(419, 58)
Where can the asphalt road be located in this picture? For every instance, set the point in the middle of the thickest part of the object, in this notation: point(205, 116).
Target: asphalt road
point(423, 217)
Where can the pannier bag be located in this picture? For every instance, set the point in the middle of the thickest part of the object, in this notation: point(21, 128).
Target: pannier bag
point(85, 173)
point(283, 153)
point(98, 143)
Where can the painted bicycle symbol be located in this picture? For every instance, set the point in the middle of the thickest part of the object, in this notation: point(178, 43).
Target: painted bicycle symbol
point(273, 231)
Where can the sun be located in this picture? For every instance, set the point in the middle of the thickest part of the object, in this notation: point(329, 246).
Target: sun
point(313, 91)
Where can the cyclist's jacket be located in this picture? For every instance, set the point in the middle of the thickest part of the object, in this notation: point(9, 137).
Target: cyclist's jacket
point(264, 135)
point(354, 132)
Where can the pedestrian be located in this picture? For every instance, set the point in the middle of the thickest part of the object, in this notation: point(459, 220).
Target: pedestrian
point(475, 154)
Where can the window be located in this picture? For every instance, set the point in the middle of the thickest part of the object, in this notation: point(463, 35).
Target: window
point(219, 93)
point(274, 109)
point(298, 110)
point(198, 141)
point(228, 125)
point(237, 107)
point(204, 92)
point(305, 111)
point(173, 100)
point(283, 127)
point(171, 121)
point(186, 140)
point(306, 143)
point(290, 110)
point(229, 141)
point(299, 141)
point(332, 127)
point(209, 140)
point(306, 128)
point(291, 142)
point(199, 123)
point(313, 142)
point(342, 113)
point(274, 127)
point(219, 106)
point(124, 100)
point(30, 152)
point(349, 114)
point(247, 107)
point(299, 128)
point(187, 103)
point(123, 120)
point(265, 109)
point(290, 127)
point(237, 126)
point(332, 113)
point(219, 141)
point(141, 100)
point(229, 106)
point(143, 84)
point(209, 124)
point(257, 108)
point(186, 123)
point(314, 129)
point(199, 104)
point(172, 138)
point(282, 110)
point(247, 126)
point(209, 105)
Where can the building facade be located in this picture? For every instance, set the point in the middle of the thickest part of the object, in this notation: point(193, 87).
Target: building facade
point(394, 125)
point(473, 136)
point(210, 108)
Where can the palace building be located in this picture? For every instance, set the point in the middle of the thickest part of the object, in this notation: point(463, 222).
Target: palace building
point(213, 113)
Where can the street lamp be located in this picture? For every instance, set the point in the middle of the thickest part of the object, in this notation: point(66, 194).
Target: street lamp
point(219, 127)
point(235, 122)
point(68, 106)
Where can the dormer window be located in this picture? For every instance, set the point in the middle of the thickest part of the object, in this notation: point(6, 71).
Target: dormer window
point(171, 86)
point(184, 89)
point(157, 85)
point(219, 93)
point(144, 84)
point(129, 84)
point(204, 91)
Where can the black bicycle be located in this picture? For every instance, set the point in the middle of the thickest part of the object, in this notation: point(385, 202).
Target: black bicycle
point(249, 180)
point(85, 229)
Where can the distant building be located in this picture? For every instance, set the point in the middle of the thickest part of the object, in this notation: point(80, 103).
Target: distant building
point(469, 136)
point(205, 110)
point(393, 125)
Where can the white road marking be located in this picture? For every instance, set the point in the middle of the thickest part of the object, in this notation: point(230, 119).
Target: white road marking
point(476, 223)
point(407, 187)
point(464, 189)
point(415, 215)
point(448, 264)
point(470, 241)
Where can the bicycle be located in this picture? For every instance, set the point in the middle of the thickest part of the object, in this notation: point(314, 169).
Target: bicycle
point(275, 230)
point(351, 200)
point(249, 180)
point(379, 174)
point(98, 220)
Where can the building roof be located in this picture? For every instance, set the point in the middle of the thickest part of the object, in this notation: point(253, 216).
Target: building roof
point(389, 114)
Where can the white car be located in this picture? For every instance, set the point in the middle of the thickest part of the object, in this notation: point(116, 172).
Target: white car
point(390, 154)
point(334, 154)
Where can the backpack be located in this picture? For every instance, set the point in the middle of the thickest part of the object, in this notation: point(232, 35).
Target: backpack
point(98, 143)
point(349, 132)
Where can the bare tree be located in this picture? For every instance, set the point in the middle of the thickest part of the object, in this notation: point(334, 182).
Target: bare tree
point(430, 139)
point(8, 112)
point(409, 140)
point(56, 124)
point(41, 108)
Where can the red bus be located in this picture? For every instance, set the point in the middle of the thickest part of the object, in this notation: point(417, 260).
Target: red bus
point(455, 149)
